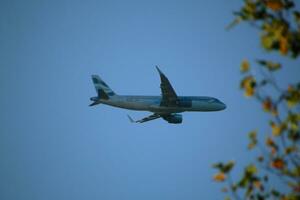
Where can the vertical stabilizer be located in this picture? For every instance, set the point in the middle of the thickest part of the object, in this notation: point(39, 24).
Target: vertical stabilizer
point(102, 89)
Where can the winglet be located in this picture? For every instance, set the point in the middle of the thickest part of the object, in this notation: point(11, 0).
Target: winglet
point(159, 71)
point(130, 119)
point(94, 103)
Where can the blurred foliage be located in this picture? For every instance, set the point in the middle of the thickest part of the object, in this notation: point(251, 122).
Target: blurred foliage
point(278, 22)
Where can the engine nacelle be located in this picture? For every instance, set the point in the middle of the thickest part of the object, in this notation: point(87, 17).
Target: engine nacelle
point(174, 118)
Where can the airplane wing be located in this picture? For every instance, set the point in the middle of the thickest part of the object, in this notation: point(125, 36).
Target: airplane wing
point(151, 117)
point(169, 96)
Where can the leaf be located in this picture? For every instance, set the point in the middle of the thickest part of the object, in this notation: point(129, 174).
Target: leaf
point(245, 66)
point(235, 22)
point(224, 168)
point(252, 135)
point(228, 167)
point(297, 16)
point(218, 165)
point(290, 149)
point(271, 66)
point(251, 169)
point(253, 139)
point(277, 129)
point(243, 182)
point(276, 36)
point(249, 85)
point(270, 142)
point(267, 42)
point(278, 163)
point(275, 193)
point(275, 5)
point(219, 177)
point(283, 45)
point(257, 184)
point(292, 96)
point(267, 104)
point(251, 145)
point(249, 191)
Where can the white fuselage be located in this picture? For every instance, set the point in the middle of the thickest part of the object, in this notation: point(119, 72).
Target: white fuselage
point(153, 103)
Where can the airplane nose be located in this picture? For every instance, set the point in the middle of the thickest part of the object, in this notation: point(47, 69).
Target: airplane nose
point(223, 106)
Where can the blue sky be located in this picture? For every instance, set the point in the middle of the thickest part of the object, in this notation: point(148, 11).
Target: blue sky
point(53, 146)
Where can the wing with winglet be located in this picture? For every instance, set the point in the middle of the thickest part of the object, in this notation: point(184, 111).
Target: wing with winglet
point(169, 96)
point(171, 118)
point(149, 118)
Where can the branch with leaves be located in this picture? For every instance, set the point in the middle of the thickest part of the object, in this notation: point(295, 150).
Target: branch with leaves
point(278, 157)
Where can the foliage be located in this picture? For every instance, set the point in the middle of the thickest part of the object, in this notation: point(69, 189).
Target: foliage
point(278, 32)
point(278, 22)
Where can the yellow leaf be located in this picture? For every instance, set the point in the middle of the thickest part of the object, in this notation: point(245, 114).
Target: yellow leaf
point(275, 5)
point(278, 163)
point(219, 177)
point(269, 142)
point(290, 149)
point(257, 184)
point(249, 92)
point(272, 66)
point(245, 66)
point(251, 169)
point(251, 145)
point(267, 41)
point(267, 104)
point(293, 96)
point(283, 45)
point(248, 84)
point(277, 129)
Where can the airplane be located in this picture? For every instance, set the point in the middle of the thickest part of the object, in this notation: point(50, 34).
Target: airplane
point(167, 106)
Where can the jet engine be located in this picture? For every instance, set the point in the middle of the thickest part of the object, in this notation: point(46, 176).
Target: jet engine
point(173, 118)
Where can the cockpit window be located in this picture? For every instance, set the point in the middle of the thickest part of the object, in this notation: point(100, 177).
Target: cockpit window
point(212, 100)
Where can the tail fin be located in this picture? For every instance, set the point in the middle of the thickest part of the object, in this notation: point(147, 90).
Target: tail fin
point(102, 89)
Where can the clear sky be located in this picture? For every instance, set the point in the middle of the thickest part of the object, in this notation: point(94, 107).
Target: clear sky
point(53, 146)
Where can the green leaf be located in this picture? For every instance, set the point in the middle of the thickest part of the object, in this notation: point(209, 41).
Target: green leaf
point(275, 193)
point(243, 182)
point(297, 16)
point(235, 22)
point(224, 168)
point(253, 139)
point(251, 169)
point(252, 135)
point(271, 66)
